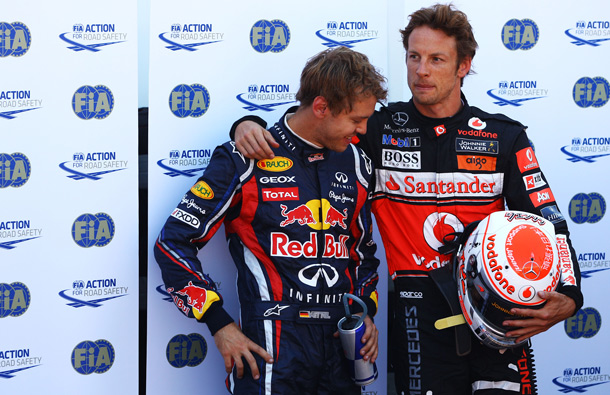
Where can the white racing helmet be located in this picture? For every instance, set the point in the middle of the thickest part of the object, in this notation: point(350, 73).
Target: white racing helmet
point(506, 260)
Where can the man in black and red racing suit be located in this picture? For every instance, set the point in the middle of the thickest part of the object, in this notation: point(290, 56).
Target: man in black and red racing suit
point(434, 177)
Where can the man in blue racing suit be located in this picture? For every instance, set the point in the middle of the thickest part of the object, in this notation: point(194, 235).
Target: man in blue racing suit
point(299, 231)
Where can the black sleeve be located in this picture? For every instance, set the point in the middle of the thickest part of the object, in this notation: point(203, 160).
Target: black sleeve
point(253, 118)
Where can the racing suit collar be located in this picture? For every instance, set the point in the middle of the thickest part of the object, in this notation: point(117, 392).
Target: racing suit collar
point(302, 148)
point(437, 127)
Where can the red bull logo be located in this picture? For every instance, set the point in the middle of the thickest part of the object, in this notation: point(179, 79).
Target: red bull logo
point(198, 298)
point(282, 246)
point(277, 164)
point(307, 214)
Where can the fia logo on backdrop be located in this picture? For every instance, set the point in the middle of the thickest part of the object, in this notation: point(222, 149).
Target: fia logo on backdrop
point(15, 170)
point(581, 379)
point(185, 163)
point(591, 92)
point(90, 230)
point(15, 39)
point(190, 36)
point(14, 232)
point(587, 149)
point(92, 37)
point(189, 100)
point(13, 102)
point(589, 33)
point(15, 299)
point(346, 34)
point(93, 357)
point(92, 102)
point(269, 36)
point(265, 97)
point(587, 207)
point(92, 293)
point(186, 350)
point(92, 165)
point(520, 34)
point(515, 93)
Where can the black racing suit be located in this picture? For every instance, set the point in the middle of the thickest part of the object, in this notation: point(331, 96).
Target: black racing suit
point(434, 177)
point(299, 231)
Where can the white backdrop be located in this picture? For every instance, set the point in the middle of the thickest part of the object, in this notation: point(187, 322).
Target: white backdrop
point(68, 237)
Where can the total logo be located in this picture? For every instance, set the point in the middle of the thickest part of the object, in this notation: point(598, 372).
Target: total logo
point(589, 33)
point(14, 299)
point(15, 170)
point(186, 350)
point(93, 356)
point(520, 34)
point(589, 208)
point(14, 361)
point(15, 39)
point(92, 36)
point(346, 34)
point(92, 102)
point(90, 230)
point(591, 92)
point(585, 323)
point(189, 100)
point(269, 36)
point(190, 36)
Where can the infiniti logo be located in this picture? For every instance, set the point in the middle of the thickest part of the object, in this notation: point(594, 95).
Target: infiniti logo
point(341, 177)
point(309, 275)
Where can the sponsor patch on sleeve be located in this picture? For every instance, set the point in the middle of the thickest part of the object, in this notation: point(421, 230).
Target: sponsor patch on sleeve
point(542, 197)
point(526, 160)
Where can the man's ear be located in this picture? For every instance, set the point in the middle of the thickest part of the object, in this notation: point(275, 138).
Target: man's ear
point(320, 107)
point(464, 67)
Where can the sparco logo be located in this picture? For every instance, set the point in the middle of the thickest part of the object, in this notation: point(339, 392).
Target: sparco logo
point(310, 275)
point(411, 295)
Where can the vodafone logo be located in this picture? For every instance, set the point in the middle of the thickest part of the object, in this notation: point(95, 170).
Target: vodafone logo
point(440, 129)
point(438, 225)
point(476, 123)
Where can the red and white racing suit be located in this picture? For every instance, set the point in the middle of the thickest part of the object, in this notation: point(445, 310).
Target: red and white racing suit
point(434, 177)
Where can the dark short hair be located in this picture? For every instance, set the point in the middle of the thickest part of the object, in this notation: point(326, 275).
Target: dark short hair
point(449, 20)
point(341, 76)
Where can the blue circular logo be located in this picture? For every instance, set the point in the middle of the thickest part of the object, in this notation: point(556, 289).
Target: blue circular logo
point(269, 36)
point(15, 39)
point(15, 170)
point(93, 357)
point(183, 350)
point(587, 208)
point(589, 92)
point(92, 102)
point(14, 299)
point(90, 230)
point(585, 323)
point(520, 34)
point(189, 100)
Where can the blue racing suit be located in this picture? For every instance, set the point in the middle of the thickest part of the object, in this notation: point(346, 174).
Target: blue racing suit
point(299, 231)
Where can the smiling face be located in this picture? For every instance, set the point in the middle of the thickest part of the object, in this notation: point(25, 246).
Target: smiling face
point(337, 130)
point(433, 74)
